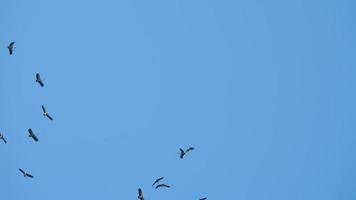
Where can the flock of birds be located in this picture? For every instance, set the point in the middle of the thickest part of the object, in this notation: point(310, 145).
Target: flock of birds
point(157, 183)
point(31, 133)
point(45, 113)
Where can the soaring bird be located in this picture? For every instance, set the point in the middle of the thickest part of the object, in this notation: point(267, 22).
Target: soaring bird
point(157, 180)
point(46, 114)
point(39, 80)
point(182, 153)
point(32, 135)
point(140, 194)
point(25, 174)
point(203, 198)
point(162, 185)
point(2, 137)
point(11, 47)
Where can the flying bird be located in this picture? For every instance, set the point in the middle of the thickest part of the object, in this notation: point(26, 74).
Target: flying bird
point(203, 198)
point(25, 174)
point(39, 80)
point(46, 114)
point(157, 181)
point(162, 185)
point(32, 135)
point(182, 153)
point(2, 137)
point(140, 194)
point(11, 47)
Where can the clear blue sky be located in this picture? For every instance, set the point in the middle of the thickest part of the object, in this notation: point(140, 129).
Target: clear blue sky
point(265, 91)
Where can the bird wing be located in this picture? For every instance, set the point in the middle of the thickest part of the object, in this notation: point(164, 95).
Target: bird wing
point(4, 140)
point(38, 77)
point(34, 137)
point(12, 44)
point(29, 175)
point(30, 132)
point(189, 149)
point(10, 50)
point(41, 82)
point(156, 181)
point(140, 192)
point(49, 117)
point(203, 198)
point(44, 109)
point(162, 185)
point(22, 171)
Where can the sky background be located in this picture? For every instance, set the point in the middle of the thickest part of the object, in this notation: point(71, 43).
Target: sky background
point(265, 91)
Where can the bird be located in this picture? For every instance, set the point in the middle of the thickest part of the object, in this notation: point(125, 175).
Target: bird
point(25, 174)
point(2, 137)
point(11, 47)
point(140, 194)
point(162, 185)
point(203, 198)
point(46, 114)
point(39, 80)
point(157, 180)
point(32, 135)
point(182, 153)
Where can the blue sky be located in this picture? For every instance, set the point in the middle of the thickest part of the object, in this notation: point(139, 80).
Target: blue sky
point(265, 91)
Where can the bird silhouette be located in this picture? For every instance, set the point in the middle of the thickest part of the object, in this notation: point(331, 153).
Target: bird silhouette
point(2, 137)
point(157, 180)
point(25, 174)
point(39, 80)
point(46, 114)
point(182, 153)
point(203, 198)
point(32, 135)
point(11, 47)
point(162, 185)
point(140, 194)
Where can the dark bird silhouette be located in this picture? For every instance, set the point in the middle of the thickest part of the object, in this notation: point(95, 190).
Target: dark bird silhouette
point(39, 80)
point(32, 135)
point(157, 180)
point(182, 153)
point(140, 194)
point(203, 198)
point(25, 174)
point(162, 185)
point(2, 137)
point(46, 114)
point(11, 47)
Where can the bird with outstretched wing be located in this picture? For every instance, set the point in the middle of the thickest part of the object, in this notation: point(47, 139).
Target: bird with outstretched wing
point(25, 174)
point(140, 194)
point(11, 47)
point(32, 135)
point(46, 114)
point(39, 80)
